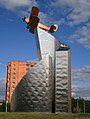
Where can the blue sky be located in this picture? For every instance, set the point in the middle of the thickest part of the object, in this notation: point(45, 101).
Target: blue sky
point(73, 19)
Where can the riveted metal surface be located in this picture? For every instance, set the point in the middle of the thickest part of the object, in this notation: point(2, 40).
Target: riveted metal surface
point(47, 46)
point(46, 87)
point(61, 95)
point(33, 93)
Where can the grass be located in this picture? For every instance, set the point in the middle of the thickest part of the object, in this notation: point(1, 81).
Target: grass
point(34, 115)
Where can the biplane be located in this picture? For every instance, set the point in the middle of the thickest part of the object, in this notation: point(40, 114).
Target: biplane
point(33, 22)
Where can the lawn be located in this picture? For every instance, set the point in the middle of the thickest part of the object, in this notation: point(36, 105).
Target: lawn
point(27, 115)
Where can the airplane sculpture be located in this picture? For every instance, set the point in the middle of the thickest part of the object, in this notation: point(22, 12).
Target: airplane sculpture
point(33, 22)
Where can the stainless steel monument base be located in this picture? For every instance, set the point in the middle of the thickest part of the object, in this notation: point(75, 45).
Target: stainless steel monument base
point(46, 87)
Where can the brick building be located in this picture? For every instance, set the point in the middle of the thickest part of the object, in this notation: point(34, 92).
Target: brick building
point(15, 70)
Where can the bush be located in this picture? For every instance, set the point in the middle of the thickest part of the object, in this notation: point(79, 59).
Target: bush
point(3, 107)
point(76, 110)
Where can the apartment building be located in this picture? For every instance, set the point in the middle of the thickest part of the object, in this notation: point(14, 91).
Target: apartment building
point(15, 70)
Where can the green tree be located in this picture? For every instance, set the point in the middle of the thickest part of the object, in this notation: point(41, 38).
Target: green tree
point(83, 105)
point(3, 107)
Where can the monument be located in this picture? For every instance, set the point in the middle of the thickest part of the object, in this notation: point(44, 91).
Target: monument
point(47, 86)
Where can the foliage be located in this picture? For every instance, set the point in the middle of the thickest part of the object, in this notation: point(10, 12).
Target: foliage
point(76, 110)
point(83, 105)
point(3, 107)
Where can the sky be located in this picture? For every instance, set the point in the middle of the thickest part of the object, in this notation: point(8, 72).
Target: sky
point(17, 43)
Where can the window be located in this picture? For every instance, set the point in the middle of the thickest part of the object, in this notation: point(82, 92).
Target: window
point(27, 64)
point(14, 74)
point(27, 69)
point(32, 65)
point(9, 65)
point(13, 88)
point(14, 78)
point(14, 69)
point(8, 79)
point(7, 93)
point(13, 82)
point(8, 74)
point(8, 88)
point(9, 70)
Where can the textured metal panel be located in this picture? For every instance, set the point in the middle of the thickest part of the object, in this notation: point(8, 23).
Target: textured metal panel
point(46, 88)
point(61, 95)
point(46, 43)
point(33, 93)
point(47, 46)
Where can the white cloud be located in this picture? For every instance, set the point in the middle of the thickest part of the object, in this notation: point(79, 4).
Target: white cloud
point(82, 73)
point(76, 11)
point(82, 36)
point(12, 4)
point(49, 20)
point(21, 7)
point(80, 82)
point(43, 17)
point(80, 12)
point(83, 92)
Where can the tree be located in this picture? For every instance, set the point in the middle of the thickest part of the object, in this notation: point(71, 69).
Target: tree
point(80, 105)
point(3, 107)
